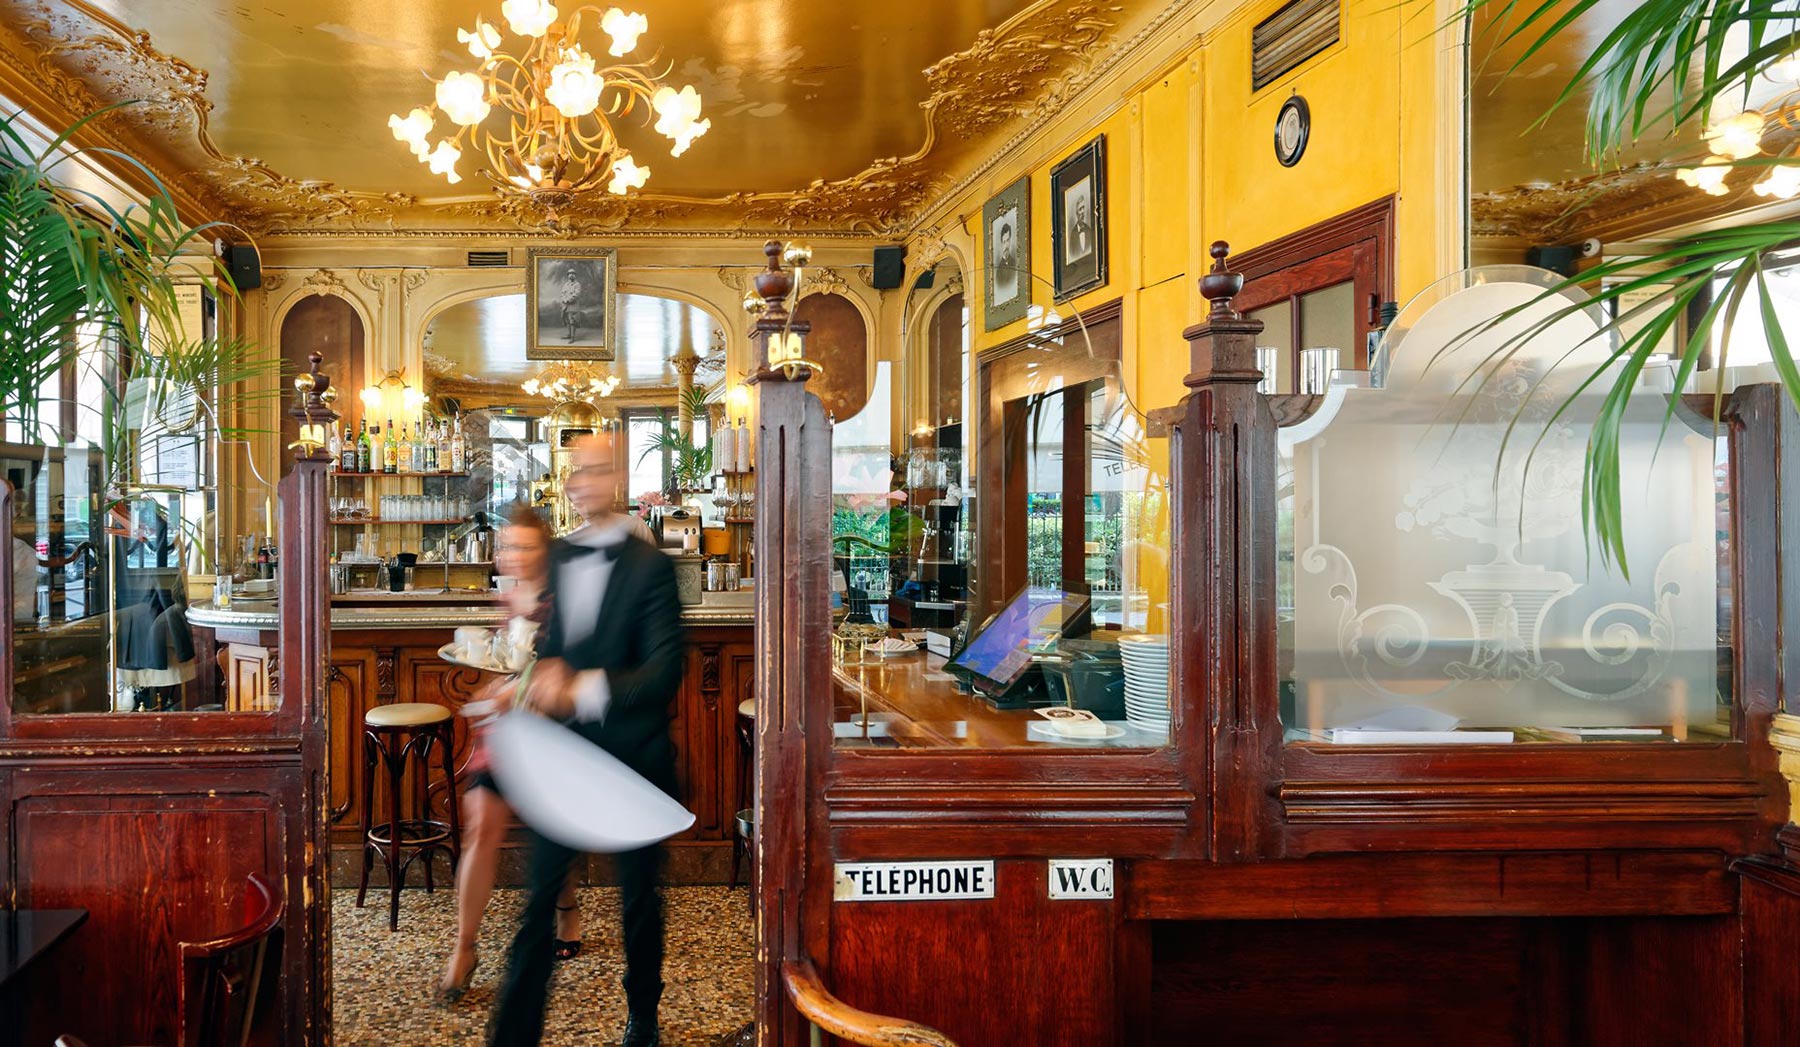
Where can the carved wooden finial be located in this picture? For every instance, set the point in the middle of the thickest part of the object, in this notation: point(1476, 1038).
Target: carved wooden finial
point(1220, 284)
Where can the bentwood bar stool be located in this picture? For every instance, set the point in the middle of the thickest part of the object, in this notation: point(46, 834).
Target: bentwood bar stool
point(393, 735)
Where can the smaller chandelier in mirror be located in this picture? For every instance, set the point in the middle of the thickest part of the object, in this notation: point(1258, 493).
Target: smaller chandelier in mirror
point(565, 381)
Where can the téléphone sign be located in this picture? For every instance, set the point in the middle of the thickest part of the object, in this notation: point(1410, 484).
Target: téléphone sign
point(913, 881)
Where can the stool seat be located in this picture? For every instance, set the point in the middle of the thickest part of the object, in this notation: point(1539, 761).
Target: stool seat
point(747, 708)
point(406, 714)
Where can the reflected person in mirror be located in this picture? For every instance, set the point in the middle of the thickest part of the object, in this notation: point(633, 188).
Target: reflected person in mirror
point(610, 662)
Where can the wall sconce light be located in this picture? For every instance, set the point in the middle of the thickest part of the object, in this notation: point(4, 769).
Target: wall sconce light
point(737, 402)
point(393, 397)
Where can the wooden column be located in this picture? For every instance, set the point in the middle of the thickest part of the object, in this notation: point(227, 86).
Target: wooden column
point(793, 669)
point(1223, 583)
point(303, 653)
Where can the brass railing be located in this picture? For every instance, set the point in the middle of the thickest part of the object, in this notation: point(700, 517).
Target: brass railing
point(830, 1015)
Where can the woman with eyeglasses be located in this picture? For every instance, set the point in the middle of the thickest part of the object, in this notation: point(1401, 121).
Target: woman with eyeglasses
point(523, 555)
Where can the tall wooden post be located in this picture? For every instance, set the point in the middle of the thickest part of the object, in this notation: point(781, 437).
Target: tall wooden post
point(793, 663)
point(304, 652)
point(1223, 585)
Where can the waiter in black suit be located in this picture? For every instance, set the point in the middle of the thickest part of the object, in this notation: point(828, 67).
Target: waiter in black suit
point(609, 663)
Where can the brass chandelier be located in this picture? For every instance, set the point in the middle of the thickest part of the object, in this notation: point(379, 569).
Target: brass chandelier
point(566, 380)
point(555, 102)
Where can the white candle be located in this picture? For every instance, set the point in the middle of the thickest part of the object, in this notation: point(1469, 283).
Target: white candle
point(742, 436)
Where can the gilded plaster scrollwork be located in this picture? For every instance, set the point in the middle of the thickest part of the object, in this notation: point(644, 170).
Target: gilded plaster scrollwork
point(325, 282)
point(1027, 67)
point(75, 57)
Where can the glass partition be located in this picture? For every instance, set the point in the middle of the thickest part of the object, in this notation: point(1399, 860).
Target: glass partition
point(1435, 580)
point(136, 504)
point(1005, 587)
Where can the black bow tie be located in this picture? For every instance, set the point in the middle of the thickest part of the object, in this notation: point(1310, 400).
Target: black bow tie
point(571, 552)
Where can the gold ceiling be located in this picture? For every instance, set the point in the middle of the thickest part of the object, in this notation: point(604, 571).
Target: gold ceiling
point(825, 116)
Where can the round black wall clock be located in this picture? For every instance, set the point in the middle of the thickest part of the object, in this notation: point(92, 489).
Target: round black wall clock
point(1293, 125)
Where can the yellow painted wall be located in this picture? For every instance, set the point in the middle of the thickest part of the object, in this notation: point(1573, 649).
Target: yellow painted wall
point(1190, 160)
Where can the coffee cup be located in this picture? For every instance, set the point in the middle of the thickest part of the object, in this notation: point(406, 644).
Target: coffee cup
point(473, 644)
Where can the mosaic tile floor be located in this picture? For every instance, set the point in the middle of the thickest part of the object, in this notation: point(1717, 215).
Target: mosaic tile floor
point(383, 983)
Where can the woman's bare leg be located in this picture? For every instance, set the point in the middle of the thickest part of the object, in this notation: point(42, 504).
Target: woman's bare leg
point(568, 911)
point(485, 816)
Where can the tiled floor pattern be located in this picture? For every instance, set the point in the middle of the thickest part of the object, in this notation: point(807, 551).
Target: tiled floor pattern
point(383, 984)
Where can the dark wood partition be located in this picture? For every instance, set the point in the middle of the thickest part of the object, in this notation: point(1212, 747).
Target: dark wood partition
point(153, 822)
point(1263, 891)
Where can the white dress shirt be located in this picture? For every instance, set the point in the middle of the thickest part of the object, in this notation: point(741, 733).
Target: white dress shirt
point(580, 590)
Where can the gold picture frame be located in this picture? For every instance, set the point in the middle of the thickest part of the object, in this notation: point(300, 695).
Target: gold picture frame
point(571, 303)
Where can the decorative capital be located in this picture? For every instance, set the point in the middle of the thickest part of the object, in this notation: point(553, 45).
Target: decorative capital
point(1220, 284)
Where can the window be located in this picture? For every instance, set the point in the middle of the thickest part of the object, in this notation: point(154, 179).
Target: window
point(649, 456)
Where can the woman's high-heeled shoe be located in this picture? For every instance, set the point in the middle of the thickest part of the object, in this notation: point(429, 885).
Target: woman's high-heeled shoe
point(450, 987)
point(566, 948)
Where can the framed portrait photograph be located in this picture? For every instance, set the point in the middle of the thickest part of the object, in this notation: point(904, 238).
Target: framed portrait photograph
point(1006, 225)
point(570, 294)
point(1078, 220)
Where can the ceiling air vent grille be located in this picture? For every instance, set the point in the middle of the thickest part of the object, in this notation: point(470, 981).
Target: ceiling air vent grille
point(489, 259)
point(1289, 37)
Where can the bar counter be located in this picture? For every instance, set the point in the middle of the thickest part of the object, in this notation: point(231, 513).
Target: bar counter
point(911, 703)
point(386, 654)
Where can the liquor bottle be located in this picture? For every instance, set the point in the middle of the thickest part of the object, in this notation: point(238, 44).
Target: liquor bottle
point(347, 451)
point(431, 449)
point(443, 447)
point(377, 449)
point(336, 447)
point(390, 454)
point(418, 449)
point(459, 453)
point(362, 446)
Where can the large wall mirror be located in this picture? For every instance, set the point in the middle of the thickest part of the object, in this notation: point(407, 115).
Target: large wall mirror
point(516, 420)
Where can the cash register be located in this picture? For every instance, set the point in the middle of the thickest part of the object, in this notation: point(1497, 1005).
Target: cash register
point(1040, 649)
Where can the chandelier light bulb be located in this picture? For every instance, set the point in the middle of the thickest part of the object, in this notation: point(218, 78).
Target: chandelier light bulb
point(529, 17)
point(1709, 177)
point(412, 129)
point(678, 117)
point(627, 175)
point(443, 161)
point(574, 86)
point(1782, 182)
point(624, 29)
point(463, 98)
point(1738, 137)
point(481, 40)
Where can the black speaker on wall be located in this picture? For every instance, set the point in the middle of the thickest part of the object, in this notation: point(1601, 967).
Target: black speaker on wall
point(245, 266)
point(890, 267)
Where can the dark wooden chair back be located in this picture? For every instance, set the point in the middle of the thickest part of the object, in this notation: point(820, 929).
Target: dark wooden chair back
point(228, 984)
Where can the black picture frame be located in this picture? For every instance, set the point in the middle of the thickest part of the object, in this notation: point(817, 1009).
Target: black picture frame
point(1078, 220)
point(1301, 113)
point(1006, 253)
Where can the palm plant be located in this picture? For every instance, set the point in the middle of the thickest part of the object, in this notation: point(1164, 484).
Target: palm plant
point(73, 261)
point(689, 465)
point(1669, 66)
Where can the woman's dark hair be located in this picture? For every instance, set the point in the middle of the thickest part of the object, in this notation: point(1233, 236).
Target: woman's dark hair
point(527, 517)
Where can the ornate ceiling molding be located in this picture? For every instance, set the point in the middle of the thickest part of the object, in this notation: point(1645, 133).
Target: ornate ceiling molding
point(1028, 68)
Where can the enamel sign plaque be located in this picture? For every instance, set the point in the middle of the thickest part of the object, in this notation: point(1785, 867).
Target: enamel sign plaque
point(913, 881)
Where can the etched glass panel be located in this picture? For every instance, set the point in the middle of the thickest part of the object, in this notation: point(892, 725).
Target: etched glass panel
point(1435, 578)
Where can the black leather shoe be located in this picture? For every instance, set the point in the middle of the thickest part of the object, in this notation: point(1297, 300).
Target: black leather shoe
point(641, 1034)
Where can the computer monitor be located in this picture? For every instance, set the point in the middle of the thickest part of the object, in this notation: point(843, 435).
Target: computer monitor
point(998, 654)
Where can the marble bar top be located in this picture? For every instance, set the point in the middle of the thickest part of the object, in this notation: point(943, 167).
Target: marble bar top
point(429, 617)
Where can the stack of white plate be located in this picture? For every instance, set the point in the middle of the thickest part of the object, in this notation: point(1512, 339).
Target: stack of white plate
point(1146, 661)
